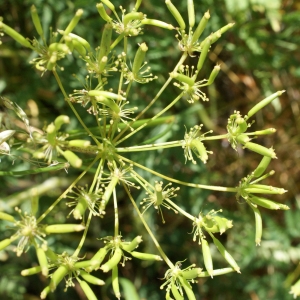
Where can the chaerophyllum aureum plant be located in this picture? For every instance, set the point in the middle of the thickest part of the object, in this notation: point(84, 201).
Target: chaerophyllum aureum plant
point(109, 143)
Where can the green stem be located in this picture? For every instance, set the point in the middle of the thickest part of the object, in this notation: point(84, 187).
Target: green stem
point(162, 253)
point(200, 186)
point(189, 216)
point(116, 213)
point(155, 117)
point(73, 108)
point(150, 147)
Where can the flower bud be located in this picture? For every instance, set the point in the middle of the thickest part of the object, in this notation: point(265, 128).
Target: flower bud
point(56, 47)
point(176, 14)
point(102, 12)
point(63, 228)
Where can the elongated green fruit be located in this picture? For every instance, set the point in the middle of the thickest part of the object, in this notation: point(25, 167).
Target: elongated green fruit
point(60, 120)
point(72, 158)
point(200, 28)
point(91, 279)
point(115, 282)
point(36, 21)
point(213, 74)
point(207, 256)
point(80, 40)
point(97, 259)
point(187, 288)
point(74, 21)
point(64, 228)
point(84, 264)
point(105, 41)
point(79, 143)
point(132, 16)
point(133, 244)
point(6, 217)
point(183, 78)
point(217, 272)
point(139, 59)
point(263, 103)
point(113, 261)
point(192, 273)
point(267, 203)
point(145, 256)
point(110, 95)
point(175, 292)
point(260, 149)
point(79, 47)
point(42, 258)
point(191, 12)
point(80, 208)
point(226, 254)
point(176, 14)
point(87, 290)
point(157, 23)
point(4, 243)
point(258, 224)
point(204, 51)
point(102, 12)
point(31, 271)
point(58, 276)
point(262, 166)
point(15, 35)
point(268, 190)
point(109, 4)
point(243, 138)
point(45, 292)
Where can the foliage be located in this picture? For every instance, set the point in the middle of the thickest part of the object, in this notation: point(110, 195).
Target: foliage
point(104, 183)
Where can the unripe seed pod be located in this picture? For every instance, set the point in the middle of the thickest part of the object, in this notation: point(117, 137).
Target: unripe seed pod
point(91, 279)
point(204, 51)
point(60, 120)
point(64, 228)
point(133, 244)
point(226, 254)
point(79, 143)
point(115, 282)
point(242, 125)
point(267, 190)
point(4, 243)
point(267, 203)
point(258, 224)
point(183, 78)
point(207, 256)
point(200, 28)
point(243, 138)
point(260, 149)
point(45, 292)
point(113, 261)
point(79, 47)
point(31, 271)
point(187, 288)
point(213, 74)
point(97, 258)
point(54, 47)
point(106, 94)
point(217, 272)
point(58, 276)
point(102, 13)
point(200, 150)
point(263, 103)
point(102, 64)
point(42, 258)
point(191, 12)
point(51, 255)
point(72, 158)
point(157, 23)
point(139, 59)
point(80, 208)
point(108, 4)
point(109, 189)
point(84, 264)
point(176, 14)
point(175, 292)
point(52, 62)
point(15, 35)
point(51, 134)
point(36, 21)
point(81, 40)
point(192, 273)
point(7, 217)
point(87, 290)
point(264, 132)
point(68, 41)
point(74, 21)
point(145, 256)
point(105, 41)
point(132, 16)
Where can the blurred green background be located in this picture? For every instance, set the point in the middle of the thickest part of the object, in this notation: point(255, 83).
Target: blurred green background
point(258, 56)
